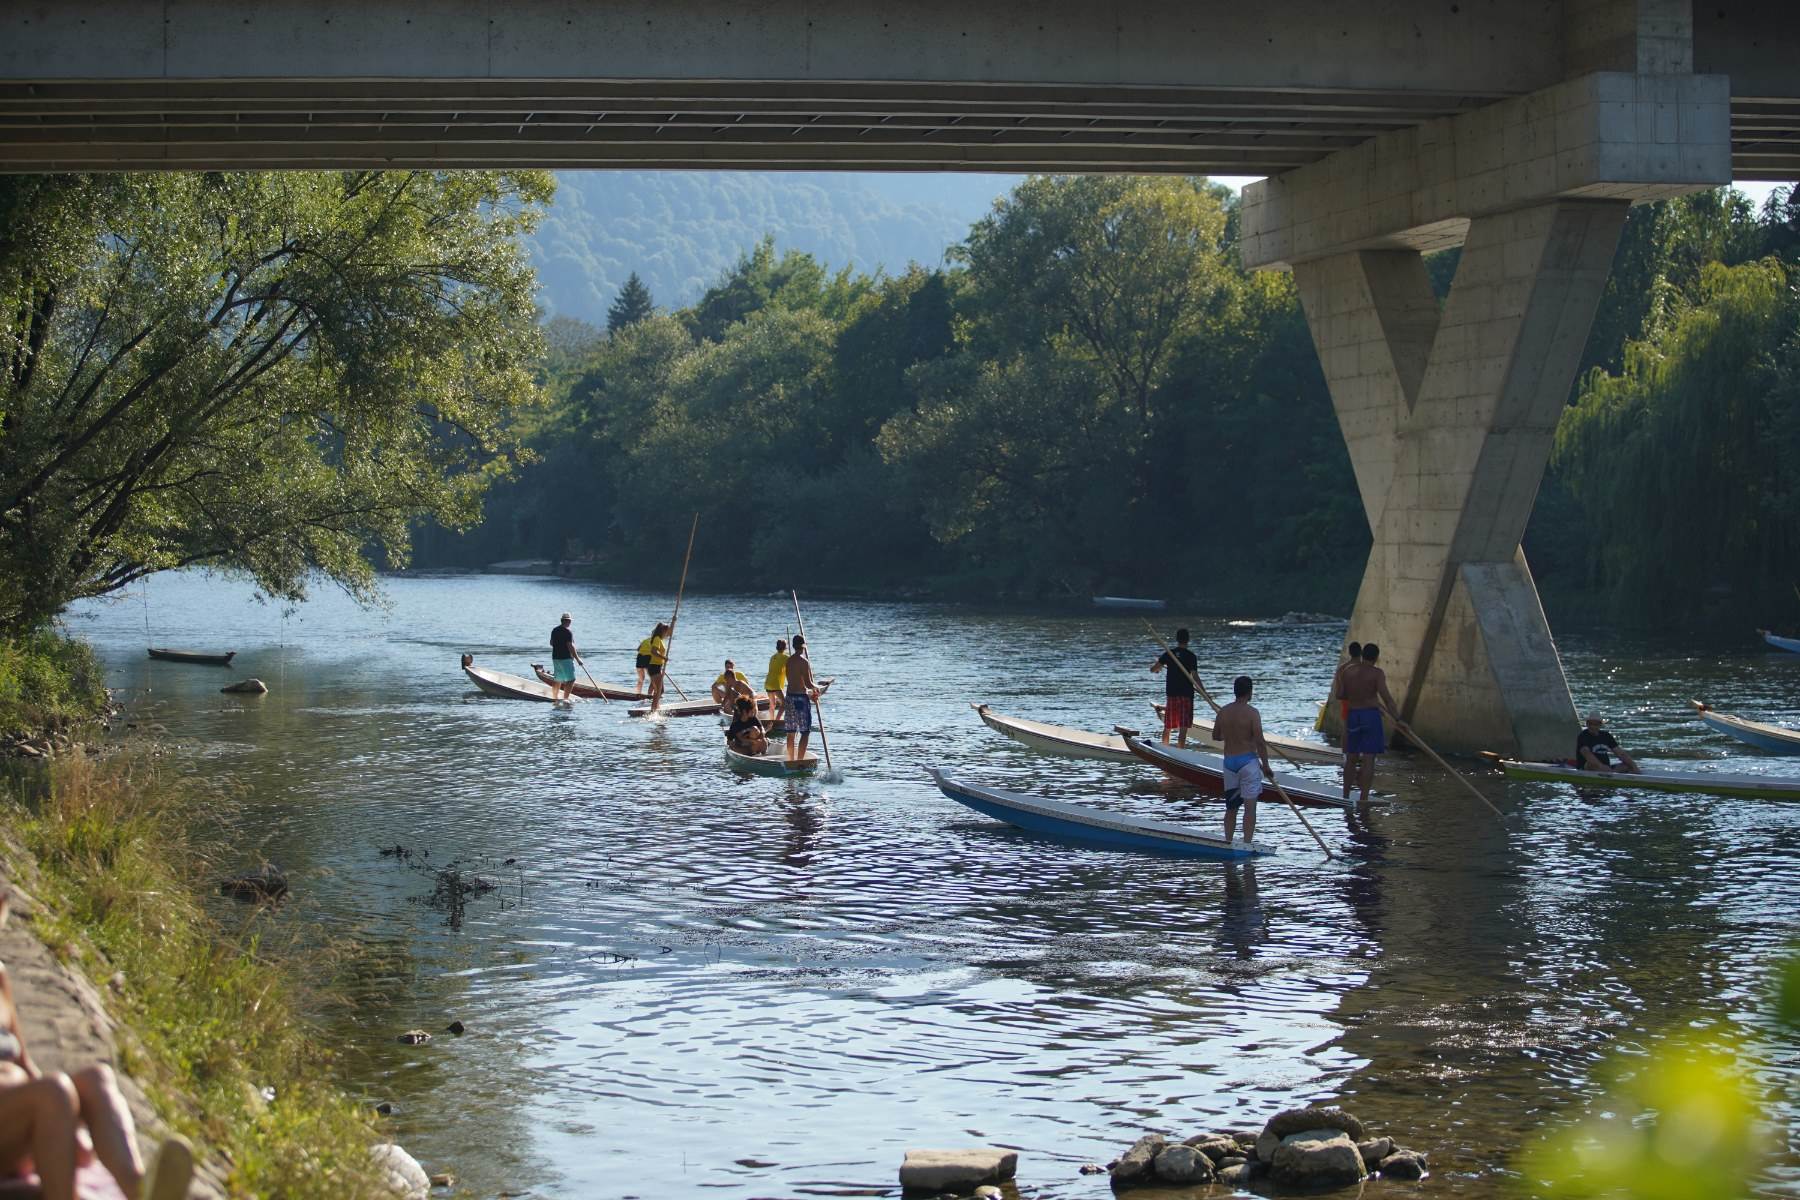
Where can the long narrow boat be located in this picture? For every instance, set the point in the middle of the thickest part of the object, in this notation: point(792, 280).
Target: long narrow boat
point(587, 691)
point(1779, 642)
point(507, 687)
point(1138, 603)
point(1776, 739)
point(692, 708)
point(1711, 783)
point(200, 658)
point(775, 762)
point(1207, 771)
point(1078, 822)
point(1056, 739)
point(1301, 751)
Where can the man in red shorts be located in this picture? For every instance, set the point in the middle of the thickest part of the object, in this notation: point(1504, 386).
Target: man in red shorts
point(1178, 687)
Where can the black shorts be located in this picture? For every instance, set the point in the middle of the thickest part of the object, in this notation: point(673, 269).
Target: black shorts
point(643, 661)
point(655, 671)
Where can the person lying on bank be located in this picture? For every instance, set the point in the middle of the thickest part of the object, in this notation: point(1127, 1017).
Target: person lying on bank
point(1596, 745)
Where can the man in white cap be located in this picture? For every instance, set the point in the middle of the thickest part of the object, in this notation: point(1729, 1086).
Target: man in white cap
point(1596, 745)
point(563, 658)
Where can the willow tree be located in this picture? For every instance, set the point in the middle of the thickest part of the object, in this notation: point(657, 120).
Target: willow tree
point(274, 374)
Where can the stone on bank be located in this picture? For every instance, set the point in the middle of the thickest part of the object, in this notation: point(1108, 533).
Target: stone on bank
point(960, 1171)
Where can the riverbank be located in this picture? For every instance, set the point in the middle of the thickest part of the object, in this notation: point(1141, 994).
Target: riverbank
point(114, 959)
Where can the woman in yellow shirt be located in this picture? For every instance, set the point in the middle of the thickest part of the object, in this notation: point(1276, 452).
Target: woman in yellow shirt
point(775, 683)
point(652, 653)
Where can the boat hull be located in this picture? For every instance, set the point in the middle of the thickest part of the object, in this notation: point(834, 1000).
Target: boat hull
point(1314, 753)
point(1773, 738)
point(1207, 772)
point(693, 708)
point(1131, 603)
point(1749, 787)
point(1060, 740)
point(775, 764)
point(508, 687)
point(1779, 642)
point(196, 658)
point(587, 691)
point(1078, 823)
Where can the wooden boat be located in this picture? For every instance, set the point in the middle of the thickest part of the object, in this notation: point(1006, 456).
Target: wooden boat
point(1309, 753)
point(774, 762)
point(692, 708)
point(1078, 822)
point(1711, 783)
point(1207, 771)
point(197, 657)
point(1779, 642)
point(1776, 739)
point(587, 691)
point(1137, 603)
point(507, 687)
point(1056, 739)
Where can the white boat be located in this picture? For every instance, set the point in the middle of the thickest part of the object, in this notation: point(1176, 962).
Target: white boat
point(1207, 772)
point(507, 687)
point(773, 762)
point(1056, 739)
point(1304, 752)
point(1779, 642)
point(1776, 739)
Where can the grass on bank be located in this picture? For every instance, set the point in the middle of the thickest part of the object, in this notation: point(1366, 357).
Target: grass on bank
point(211, 1020)
point(47, 683)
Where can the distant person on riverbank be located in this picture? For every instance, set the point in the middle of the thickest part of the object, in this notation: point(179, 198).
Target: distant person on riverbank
point(746, 734)
point(1238, 728)
point(1362, 686)
point(775, 682)
point(1595, 746)
point(563, 657)
point(1353, 653)
point(43, 1119)
point(1178, 687)
point(801, 694)
point(654, 650)
point(730, 686)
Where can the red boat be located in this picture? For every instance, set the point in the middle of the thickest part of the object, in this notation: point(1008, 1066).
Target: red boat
point(1207, 772)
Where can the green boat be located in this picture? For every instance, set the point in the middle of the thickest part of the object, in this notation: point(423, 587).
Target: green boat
point(774, 763)
point(1711, 783)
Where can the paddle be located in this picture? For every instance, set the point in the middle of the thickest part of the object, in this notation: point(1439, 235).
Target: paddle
point(1281, 791)
point(669, 646)
point(593, 684)
point(819, 704)
point(1413, 736)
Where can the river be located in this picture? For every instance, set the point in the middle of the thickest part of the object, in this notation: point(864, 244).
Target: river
point(691, 983)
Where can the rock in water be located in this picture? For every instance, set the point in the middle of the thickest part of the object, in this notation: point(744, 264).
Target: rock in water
point(956, 1170)
point(1299, 1120)
point(246, 687)
point(401, 1171)
point(1214, 1145)
point(1373, 1151)
point(265, 883)
point(1403, 1164)
point(1317, 1158)
point(1183, 1164)
point(1135, 1165)
point(1235, 1176)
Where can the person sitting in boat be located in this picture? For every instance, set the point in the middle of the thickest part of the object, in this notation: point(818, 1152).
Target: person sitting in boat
point(746, 734)
point(730, 686)
point(1596, 745)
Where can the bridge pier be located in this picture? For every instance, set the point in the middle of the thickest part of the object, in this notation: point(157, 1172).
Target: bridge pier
point(1449, 414)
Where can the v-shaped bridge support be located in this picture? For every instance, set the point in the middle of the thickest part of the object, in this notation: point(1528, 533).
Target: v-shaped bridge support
point(1449, 415)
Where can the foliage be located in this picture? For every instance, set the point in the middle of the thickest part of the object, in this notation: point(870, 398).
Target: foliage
point(212, 1019)
point(271, 373)
point(634, 304)
point(48, 682)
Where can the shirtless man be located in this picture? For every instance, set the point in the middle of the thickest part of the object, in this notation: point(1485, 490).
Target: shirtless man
point(1239, 727)
point(1363, 687)
point(801, 694)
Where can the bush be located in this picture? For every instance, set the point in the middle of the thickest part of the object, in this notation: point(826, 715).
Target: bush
point(48, 682)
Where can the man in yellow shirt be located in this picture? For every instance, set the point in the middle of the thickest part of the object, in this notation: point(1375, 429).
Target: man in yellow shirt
point(775, 683)
point(730, 685)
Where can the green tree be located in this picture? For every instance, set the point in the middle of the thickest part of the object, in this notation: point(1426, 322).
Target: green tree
point(633, 305)
point(271, 373)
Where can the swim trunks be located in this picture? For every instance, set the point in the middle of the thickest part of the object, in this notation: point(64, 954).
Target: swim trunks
point(1363, 732)
point(799, 714)
point(1243, 779)
point(643, 660)
point(563, 669)
point(1178, 713)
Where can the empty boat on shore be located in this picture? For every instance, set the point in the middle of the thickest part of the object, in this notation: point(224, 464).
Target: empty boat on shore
point(1080, 823)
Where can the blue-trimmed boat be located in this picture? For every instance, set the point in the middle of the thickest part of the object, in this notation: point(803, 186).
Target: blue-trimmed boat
point(1779, 642)
point(1079, 823)
point(1776, 739)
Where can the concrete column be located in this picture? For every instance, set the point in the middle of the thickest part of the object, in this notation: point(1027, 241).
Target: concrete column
point(1449, 418)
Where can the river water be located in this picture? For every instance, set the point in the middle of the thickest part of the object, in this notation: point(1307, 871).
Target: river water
point(691, 983)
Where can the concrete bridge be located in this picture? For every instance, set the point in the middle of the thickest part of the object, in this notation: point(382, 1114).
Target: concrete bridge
point(1522, 129)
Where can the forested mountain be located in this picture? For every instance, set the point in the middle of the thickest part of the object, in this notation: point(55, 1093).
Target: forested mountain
point(681, 230)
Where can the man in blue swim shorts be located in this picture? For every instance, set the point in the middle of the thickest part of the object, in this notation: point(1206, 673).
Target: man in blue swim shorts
point(1363, 688)
point(1238, 727)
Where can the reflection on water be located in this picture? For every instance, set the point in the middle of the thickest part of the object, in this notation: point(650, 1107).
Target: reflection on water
point(688, 979)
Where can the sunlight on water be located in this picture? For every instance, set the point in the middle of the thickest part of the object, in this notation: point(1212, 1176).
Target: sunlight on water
point(687, 979)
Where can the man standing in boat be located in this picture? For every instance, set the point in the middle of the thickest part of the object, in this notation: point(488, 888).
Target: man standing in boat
point(801, 693)
point(1178, 687)
point(1595, 746)
point(563, 658)
point(1352, 654)
point(1362, 686)
point(1238, 729)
